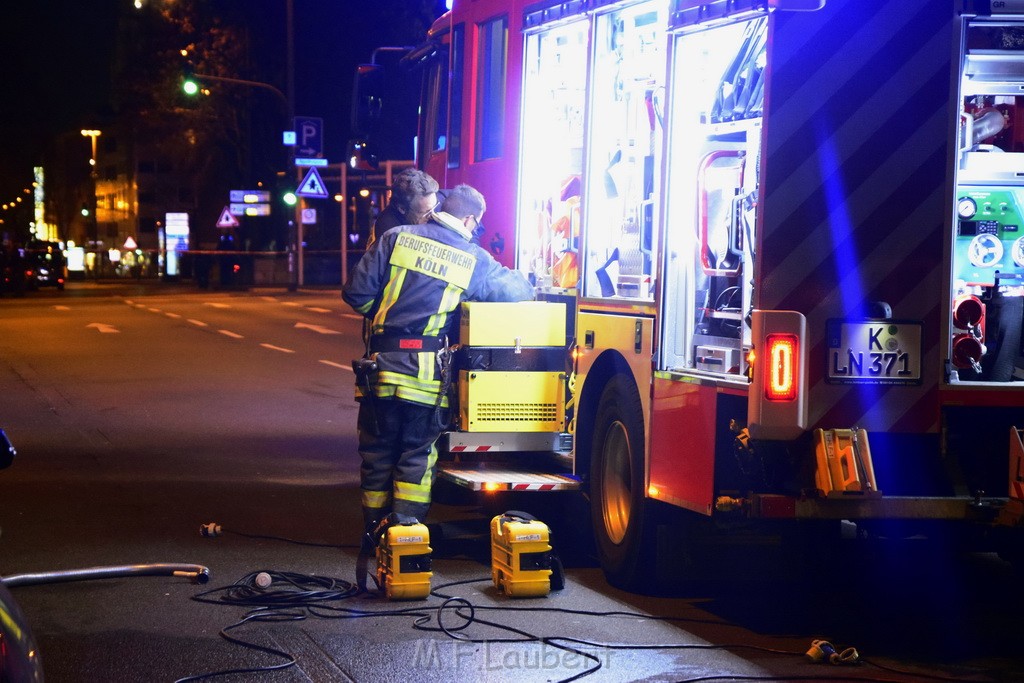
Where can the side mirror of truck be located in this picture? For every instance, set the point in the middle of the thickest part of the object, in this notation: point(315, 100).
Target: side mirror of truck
point(367, 98)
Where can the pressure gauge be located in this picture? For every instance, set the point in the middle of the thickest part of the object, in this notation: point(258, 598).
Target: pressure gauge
point(985, 250)
point(1018, 252)
point(966, 208)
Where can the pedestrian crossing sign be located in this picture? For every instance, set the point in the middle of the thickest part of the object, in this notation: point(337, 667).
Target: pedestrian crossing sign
point(312, 185)
point(227, 219)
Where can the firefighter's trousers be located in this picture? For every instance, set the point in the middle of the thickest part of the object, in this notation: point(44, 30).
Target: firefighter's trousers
point(396, 444)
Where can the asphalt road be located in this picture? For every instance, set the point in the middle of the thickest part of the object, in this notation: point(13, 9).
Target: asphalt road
point(142, 412)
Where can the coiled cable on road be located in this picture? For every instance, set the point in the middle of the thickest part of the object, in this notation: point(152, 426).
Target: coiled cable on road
point(277, 596)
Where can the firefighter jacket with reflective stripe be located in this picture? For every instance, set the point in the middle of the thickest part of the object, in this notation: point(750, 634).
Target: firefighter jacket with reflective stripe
point(411, 282)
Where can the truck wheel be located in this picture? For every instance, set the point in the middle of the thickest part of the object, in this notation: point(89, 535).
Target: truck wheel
point(619, 509)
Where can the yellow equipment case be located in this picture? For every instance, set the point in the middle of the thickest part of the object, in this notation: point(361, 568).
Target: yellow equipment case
point(511, 363)
point(520, 555)
point(403, 561)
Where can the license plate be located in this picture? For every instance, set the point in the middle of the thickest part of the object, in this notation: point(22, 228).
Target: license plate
point(873, 352)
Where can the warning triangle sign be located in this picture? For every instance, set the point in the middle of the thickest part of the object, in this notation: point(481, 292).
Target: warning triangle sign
point(312, 185)
point(227, 219)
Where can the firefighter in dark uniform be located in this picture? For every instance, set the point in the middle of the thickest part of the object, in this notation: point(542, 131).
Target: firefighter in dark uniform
point(409, 286)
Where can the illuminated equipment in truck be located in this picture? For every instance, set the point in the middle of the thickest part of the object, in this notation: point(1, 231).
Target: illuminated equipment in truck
point(989, 235)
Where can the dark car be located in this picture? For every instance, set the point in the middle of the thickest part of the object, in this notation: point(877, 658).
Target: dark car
point(46, 265)
point(14, 268)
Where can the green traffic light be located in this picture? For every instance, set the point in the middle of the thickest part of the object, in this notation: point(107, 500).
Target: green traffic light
point(190, 87)
point(290, 198)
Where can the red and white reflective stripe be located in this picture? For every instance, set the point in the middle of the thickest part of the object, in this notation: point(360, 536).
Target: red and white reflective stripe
point(532, 487)
point(469, 449)
point(1017, 490)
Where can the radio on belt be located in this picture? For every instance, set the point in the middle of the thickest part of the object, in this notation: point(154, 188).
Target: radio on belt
point(403, 559)
point(521, 557)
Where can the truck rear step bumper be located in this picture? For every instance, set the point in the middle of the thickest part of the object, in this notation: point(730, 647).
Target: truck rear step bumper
point(506, 479)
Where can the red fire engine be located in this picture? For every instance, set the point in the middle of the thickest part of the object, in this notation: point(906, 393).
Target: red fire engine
point(787, 237)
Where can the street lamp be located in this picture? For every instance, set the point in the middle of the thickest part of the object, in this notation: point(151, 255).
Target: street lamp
point(93, 134)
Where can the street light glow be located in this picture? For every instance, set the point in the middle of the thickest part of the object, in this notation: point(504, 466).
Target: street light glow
point(190, 87)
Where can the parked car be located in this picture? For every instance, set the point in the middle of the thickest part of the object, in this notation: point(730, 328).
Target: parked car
point(13, 270)
point(46, 265)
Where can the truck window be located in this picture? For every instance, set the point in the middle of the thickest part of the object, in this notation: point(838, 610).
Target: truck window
point(435, 107)
point(458, 48)
point(551, 162)
point(626, 128)
point(492, 39)
point(712, 190)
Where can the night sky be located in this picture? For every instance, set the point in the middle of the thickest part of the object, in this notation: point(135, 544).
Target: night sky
point(55, 55)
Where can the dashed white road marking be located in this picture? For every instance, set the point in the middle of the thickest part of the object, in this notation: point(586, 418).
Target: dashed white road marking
point(229, 333)
point(217, 304)
point(155, 310)
point(62, 308)
point(198, 323)
point(354, 316)
point(172, 315)
point(316, 309)
point(276, 348)
point(337, 365)
point(269, 298)
point(290, 303)
point(104, 328)
point(316, 328)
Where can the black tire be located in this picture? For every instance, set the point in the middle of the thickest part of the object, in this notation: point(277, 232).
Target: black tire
point(622, 515)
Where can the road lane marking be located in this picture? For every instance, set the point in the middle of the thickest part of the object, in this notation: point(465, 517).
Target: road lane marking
point(217, 304)
point(104, 328)
point(276, 348)
point(199, 323)
point(63, 308)
point(155, 310)
point(291, 303)
point(337, 365)
point(229, 333)
point(354, 316)
point(316, 328)
point(130, 302)
point(172, 315)
point(318, 310)
point(269, 298)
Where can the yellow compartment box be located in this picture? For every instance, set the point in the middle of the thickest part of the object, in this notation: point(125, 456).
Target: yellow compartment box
point(494, 401)
point(520, 556)
point(844, 463)
point(523, 323)
point(403, 562)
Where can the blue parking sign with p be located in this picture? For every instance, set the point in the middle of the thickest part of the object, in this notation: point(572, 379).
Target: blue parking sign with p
point(309, 136)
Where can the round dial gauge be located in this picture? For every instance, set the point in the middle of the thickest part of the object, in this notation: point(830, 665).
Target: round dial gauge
point(1018, 252)
point(985, 250)
point(966, 207)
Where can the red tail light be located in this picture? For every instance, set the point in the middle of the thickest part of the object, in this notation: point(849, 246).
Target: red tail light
point(781, 359)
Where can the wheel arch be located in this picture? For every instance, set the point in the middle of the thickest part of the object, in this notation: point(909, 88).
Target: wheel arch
point(609, 364)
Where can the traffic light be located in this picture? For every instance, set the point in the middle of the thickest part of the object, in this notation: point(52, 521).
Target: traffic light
point(289, 198)
point(189, 84)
